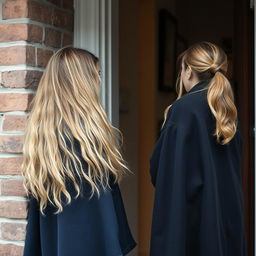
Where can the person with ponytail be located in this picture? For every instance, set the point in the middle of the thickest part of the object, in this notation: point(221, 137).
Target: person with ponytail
point(196, 164)
point(72, 165)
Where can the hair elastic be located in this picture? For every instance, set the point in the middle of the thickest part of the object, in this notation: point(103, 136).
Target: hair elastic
point(219, 70)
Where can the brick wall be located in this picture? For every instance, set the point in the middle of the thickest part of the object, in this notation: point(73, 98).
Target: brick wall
point(30, 31)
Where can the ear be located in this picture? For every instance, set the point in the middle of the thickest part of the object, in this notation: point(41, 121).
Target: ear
point(189, 73)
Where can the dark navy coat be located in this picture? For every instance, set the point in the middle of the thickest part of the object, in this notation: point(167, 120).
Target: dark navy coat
point(198, 207)
point(86, 227)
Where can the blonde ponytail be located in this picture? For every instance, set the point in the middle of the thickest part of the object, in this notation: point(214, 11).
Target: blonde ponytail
point(221, 101)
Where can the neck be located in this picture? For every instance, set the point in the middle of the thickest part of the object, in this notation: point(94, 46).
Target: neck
point(200, 85)
point(194, 82)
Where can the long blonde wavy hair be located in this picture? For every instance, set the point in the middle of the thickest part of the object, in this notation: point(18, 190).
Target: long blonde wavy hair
point(205, 59)
point(66, 107)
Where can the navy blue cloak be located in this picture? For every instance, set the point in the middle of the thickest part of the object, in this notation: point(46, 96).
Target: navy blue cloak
point(198, 207)
point(86, 227)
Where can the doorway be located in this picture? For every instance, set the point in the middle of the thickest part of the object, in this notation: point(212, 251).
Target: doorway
point(227, 23)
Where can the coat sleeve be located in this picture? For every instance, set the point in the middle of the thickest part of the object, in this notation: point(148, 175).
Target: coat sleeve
point(176, 160)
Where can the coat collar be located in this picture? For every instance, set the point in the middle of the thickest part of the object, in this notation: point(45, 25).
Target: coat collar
point(199, 86)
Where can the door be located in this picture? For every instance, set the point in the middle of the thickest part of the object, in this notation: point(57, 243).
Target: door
point(244, 75)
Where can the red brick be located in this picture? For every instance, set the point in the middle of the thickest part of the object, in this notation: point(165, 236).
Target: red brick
point(43, 57)
point(52, 37)
point(11, 250)
point(35, 33)
point(21, 78)
point(12, 187)
point(15, 101)
point(67, 40)
point(11, 143)
point(10, 165)
point(17, 55)
point(13, 231)
point(14, 122)
point(40, 12)
point(63, 19)
point(13, 209)
point(16, 32)
point(13, 9)
point(68, 4)
point(13, 32)
point(30, 56)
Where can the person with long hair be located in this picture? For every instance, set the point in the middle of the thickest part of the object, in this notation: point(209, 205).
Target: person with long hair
point(196, 164)
point(72, 165)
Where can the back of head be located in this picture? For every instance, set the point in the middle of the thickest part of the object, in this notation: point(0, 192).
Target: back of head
point(67, 107)
point(209, 62)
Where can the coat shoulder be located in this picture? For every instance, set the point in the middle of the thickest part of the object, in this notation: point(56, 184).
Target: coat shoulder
point(189, 107)
point(191, 102)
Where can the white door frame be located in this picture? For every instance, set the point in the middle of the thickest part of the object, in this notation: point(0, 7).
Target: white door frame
point(96, 30)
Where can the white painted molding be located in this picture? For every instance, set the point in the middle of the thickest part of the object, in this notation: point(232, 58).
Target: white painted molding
point(14, 198)
point(19, 243)
point(96, 30)
point(3, 220)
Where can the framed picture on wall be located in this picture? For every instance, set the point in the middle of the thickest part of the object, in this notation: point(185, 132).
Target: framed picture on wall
point(167, 51)
point(182, 45)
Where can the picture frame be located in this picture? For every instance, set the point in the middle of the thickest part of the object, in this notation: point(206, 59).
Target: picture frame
point(181, 46)
point(167, 51)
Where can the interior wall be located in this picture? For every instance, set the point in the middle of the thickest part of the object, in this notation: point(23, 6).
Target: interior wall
point(128, 119)
point(206, 20)
point(147, 65)
point(137, 71)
